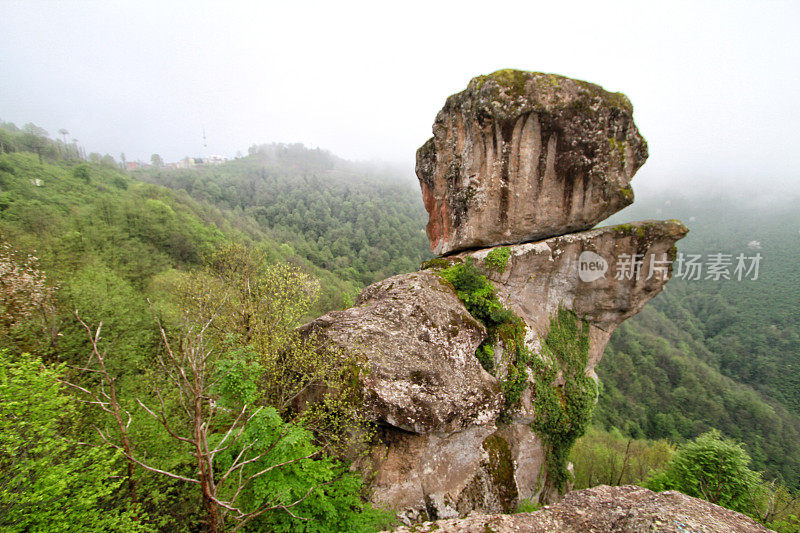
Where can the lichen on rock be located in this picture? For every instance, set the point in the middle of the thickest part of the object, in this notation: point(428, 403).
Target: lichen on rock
point(420, 344)
point(520, 156)
point(622, 509)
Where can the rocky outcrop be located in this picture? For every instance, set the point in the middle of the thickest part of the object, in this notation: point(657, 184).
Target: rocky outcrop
point(605, 275)
point(442, 472)
point(522, 156)
point(533, 160)
point(604, 509)
point(420, 343)
point(440, 450)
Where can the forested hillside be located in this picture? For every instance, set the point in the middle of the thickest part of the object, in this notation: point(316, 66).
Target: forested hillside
point(716, 353)
point(74, 212)
point(361, 222)
point(142, 301)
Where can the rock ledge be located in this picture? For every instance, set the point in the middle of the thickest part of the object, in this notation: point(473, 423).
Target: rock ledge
point(605, 509)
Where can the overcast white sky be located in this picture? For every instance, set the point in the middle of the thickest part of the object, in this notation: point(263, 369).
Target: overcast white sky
point(715, 85)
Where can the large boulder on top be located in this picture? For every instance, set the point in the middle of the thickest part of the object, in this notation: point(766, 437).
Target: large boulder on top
point(523, 156)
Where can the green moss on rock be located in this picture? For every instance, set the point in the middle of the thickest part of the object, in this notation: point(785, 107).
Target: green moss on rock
point(627, 193)
point(510, 79)
point(520, 84)
point(618, 149)
point(563, 412)
point(501, 470)
point(437, 262)
point(502, 326)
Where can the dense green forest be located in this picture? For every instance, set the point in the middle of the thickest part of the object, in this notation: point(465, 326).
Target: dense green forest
point(361, 222)
point(128, 249)
point(716, 354)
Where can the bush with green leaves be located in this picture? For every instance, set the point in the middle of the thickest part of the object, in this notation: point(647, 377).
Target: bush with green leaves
point(714, 468)
point(312, 492)
point(477, 293)
point(497, 259)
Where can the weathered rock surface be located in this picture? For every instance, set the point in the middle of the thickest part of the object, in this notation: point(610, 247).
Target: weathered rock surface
point(522, 156)
point(533, 160)
point(539, 277)
point(420, 343)
point(440, 452)
point(445, 475)
point(604, 509)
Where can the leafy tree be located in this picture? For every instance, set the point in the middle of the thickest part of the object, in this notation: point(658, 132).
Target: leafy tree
point(48, 480)
point(27, 301)
point(259, 307)
point(81, 172)
point(223, 371)
point(609, 458)
point(156, 161)
point(35, 139)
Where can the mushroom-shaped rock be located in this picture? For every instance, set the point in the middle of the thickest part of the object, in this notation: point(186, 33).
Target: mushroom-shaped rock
point(523, 156)
point(420, 343)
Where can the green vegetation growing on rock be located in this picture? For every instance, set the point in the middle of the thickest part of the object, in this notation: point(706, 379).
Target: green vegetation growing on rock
point(436, 262)
point(502, 325)
point(509, 78)
point(618, 149)
point(627, 192)
point(513, 83)
point(631, 229)
point(501, 469)
point(485, 355)
point(496, 259)
point(563, 411)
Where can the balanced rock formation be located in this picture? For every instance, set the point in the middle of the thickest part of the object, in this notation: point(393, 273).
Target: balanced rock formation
point(521, 166)
point(604, 509)
point(522, 156)
point(441, 450)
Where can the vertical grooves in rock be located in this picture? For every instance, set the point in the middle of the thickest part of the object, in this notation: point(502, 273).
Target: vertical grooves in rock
point(506, 131)
point(523, 156)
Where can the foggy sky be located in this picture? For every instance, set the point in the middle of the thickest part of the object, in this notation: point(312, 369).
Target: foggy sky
point(714, 85)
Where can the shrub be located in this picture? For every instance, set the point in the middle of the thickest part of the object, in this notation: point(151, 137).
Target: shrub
point(713, 468)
